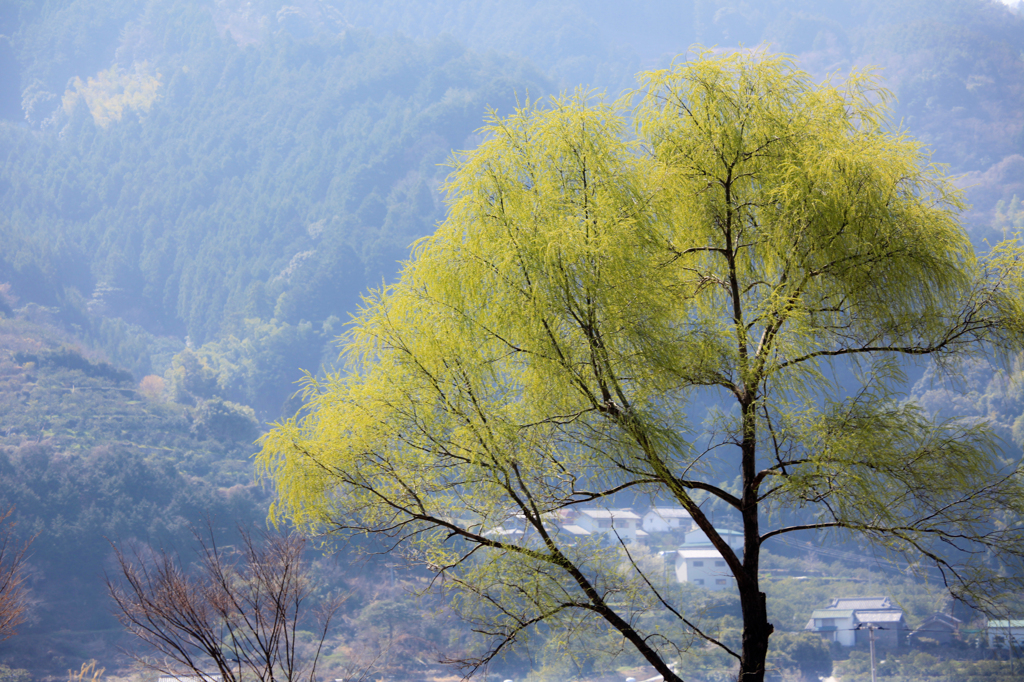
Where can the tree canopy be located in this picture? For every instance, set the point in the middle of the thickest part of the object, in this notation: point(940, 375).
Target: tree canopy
point(754, 236)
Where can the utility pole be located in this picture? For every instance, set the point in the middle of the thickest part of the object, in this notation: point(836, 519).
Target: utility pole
point(871, 639)
point(870, 627)
point(1009, 643)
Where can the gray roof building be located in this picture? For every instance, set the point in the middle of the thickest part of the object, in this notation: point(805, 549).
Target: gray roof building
point(850, 620)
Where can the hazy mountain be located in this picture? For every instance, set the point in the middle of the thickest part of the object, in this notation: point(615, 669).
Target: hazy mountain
point(198, 192)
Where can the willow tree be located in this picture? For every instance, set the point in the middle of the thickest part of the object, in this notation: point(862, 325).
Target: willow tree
point(754, 235)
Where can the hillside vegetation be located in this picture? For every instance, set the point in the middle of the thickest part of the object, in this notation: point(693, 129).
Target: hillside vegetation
point(86, 459)
point(227, 171)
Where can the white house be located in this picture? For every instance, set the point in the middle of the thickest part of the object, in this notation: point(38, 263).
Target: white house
point(698, 562)
point(704, 567)
point(573, 530)
point(1002, 632)
point(616, 524)
point(834, 625)
point(514, 529)
point(849, 621)
point(505, 534)
point(664, 519)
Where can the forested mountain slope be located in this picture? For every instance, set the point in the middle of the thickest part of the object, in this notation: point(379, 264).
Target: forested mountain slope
point(954, 65)
point(184, 182)
point(86, 459)
point(227, 171)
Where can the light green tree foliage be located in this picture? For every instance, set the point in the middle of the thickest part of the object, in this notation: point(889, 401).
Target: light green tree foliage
point(255, 369)
point(8, 674)
point(540, 350)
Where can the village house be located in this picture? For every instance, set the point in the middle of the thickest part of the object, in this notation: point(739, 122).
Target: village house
point(665, 519)
point(1002, 632)
point(704, 567)
point(615, 524)
point(849, 621)
point(697, 538)
point(515, 530)
point(939, 628)
point(697, 561)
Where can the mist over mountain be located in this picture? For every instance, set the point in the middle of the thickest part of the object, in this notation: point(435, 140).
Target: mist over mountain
point(197, 193)
point(182, 169)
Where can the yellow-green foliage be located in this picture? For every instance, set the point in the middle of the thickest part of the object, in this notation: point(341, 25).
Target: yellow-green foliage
point(540, 348)
point(88, 673)
point(113, 91)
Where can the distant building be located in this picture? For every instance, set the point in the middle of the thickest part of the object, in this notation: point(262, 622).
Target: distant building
point(1002, 632)
point(616, 524)
point(704, 567)
point(574, 530)
point(939, 628)
point(505, 534)
point(697, 561)
point(515, 530)
point(698, 538)
point(834, 625)
point(849, 620)
point(664, 519)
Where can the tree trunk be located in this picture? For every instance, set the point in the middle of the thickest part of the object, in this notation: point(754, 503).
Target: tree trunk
point(756, 628)
point(756, 631)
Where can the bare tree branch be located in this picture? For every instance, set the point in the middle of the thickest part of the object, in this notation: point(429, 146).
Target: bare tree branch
point(13, 591)
point(238, 610)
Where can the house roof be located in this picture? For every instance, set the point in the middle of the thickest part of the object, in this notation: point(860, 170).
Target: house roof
point(1006, 624)
point(832, 613)
point(670, 512)
point(575, 530)
point(609, 513)
point(859, 603)
point(699, 554)
point(721, 531)
point(500, 531)
point(879, 616)
point(932, 626)
point(698, 538)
